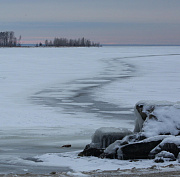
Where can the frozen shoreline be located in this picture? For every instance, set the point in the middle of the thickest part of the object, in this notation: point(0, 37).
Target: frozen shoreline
point(149, 172)
point(52, 97)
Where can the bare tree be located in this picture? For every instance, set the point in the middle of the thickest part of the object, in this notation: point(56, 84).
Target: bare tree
point(8, 39)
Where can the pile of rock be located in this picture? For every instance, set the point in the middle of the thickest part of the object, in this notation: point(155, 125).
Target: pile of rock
point(156, 135)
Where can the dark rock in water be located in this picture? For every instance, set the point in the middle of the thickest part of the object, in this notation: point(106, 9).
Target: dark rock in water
point(137, 150)
point(66, 146)
point(89, 151)
point(33, 159)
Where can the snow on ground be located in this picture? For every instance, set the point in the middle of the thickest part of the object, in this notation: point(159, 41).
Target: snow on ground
point(139, 73)
point(86, 164)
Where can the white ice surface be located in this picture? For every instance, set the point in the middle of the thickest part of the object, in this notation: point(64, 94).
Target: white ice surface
point(155, 76)
point(23, 72)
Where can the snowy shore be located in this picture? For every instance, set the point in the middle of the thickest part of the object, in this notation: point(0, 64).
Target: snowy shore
point(168, 171)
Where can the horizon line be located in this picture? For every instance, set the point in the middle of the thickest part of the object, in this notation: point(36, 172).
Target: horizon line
point(124, 44)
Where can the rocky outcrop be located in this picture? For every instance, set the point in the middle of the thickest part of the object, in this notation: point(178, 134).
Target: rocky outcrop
point(137, 150)
point(156, 135)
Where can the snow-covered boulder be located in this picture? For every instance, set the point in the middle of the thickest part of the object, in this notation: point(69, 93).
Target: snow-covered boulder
point(157, 131)
point(105, 136)
point(170, 144)
point(164, 156)
point(157, 118)
point(102, 138)
point(139, 149)
point(111, 150)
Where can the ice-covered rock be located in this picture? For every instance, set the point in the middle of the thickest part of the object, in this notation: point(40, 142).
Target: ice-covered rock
point(105, 136)
point(170, 144)
point(111, 150)
point(139, 149)
point(157, 117)
point(90, 151)
point(157, 131)
point(102, 138)
point(164, 156)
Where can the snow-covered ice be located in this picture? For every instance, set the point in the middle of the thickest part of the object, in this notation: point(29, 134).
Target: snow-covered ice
point(155, 76)
point(54, 96)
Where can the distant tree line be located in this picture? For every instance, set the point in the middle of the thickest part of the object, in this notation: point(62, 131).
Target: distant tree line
point(8, 39)
point(64, 42)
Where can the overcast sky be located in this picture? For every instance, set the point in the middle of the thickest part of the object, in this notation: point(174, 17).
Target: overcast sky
point(104, 21)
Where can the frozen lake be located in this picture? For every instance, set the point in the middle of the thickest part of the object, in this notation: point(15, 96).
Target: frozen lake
point(50, 97)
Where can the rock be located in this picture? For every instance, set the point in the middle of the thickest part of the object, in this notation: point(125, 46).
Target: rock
point(164, 156)
point(137, 150)
point(90, 151)
point(159, 160)
point(109, 156)
point(170, 144)
point(140, 117)
point(33, 159)
point(67, 146)
point(157, 117)
point(105, 136)
point(111, 150)
point(157, 129)
point(153, 167)
point(133, 147)
point(102, 138)
point(53, 173)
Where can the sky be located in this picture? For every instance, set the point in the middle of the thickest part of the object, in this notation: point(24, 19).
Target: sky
point(105, 21)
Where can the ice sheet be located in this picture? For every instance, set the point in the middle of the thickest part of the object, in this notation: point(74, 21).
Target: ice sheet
point(119, 76)
point(155, 76)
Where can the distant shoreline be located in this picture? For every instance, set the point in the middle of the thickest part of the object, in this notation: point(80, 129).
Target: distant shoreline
point(102, 45)
point(140, 45)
